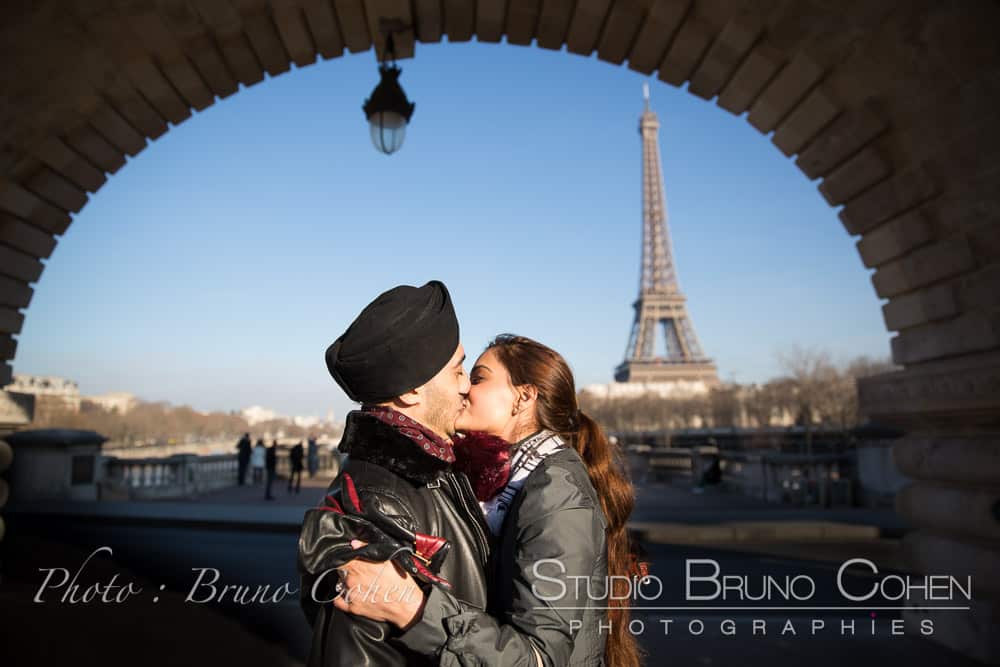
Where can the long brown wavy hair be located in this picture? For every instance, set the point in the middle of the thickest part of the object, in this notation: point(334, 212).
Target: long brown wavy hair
point(530, 363)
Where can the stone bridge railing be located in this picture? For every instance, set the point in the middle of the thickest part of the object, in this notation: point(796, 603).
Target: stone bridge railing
point(183, 475)
point(168, 477)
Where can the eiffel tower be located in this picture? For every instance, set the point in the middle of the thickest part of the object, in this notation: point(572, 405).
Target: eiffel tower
point(660, 305)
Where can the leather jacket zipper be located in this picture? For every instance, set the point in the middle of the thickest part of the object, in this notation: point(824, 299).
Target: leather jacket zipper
point(464, 493)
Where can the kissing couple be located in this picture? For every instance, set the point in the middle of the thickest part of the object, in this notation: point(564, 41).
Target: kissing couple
point(491, 499)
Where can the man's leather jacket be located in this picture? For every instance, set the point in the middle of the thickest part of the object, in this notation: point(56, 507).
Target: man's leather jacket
point(397, 479)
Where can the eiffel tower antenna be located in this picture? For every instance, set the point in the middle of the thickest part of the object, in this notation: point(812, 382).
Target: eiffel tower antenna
point(660, 306)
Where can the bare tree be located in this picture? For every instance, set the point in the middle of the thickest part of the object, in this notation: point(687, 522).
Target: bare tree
point(160, 423)
point(812, 373)
point(812, 391)
point(723, 406)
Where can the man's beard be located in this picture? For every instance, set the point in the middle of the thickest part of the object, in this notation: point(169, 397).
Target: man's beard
point(441, 412)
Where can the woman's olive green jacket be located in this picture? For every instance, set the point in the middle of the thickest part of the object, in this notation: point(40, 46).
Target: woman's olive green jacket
point(549, 573)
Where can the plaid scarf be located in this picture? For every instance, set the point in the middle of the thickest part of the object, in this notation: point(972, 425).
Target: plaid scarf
point(527, 454)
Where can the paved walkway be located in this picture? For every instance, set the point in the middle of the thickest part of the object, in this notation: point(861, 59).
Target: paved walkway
point(677, 502)
point(205, 530)
point(666, 504)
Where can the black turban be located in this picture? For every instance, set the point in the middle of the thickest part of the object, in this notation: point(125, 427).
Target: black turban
point(398, 342)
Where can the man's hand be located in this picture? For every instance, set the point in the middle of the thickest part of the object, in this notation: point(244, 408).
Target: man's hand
point(379, 591)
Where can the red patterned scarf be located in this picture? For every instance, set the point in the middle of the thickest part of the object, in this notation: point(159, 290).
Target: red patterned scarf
point(485, 459)
point(428, 440)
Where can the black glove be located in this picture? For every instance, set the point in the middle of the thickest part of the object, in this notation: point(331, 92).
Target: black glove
point(419, 554)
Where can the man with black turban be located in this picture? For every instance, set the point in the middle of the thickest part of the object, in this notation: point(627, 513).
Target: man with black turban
point(401, 359)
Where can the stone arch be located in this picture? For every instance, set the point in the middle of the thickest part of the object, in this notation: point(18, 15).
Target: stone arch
point(891, 105)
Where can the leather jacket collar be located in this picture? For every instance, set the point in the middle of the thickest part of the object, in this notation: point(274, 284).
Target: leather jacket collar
point(366, 438)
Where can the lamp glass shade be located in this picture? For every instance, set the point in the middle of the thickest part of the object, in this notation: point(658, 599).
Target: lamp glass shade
point(388, 130)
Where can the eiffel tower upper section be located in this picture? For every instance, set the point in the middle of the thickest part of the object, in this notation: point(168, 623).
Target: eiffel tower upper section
point(660, 307)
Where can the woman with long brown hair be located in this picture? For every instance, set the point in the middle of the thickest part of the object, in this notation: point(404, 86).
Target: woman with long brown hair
point(556, 501)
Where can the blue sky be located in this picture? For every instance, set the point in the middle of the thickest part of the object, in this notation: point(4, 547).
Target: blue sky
point(216, 266)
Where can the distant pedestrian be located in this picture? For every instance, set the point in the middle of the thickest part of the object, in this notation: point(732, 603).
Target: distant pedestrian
point(257, 461)
point(295, 461)
point(243, 458)
point(312, 456)
point(260, 443)
point(712, 474)
point(271, 466)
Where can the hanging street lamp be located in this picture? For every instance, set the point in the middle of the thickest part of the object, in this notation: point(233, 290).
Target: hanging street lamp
point(387, 110)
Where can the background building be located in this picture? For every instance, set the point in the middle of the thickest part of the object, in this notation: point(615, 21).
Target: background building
point(52, 394)
point(120, 402)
